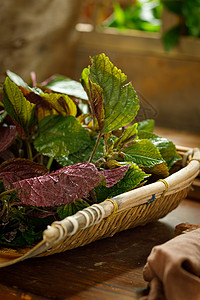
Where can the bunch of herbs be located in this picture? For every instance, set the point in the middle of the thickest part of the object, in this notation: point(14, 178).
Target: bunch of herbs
point(66, 145)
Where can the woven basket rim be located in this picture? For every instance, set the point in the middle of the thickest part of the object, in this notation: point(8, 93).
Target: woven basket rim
point(88, 217)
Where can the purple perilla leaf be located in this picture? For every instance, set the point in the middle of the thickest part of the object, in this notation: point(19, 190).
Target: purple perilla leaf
point(7, 136)
point(61, 187)
point(114, 175)
point(17, 169)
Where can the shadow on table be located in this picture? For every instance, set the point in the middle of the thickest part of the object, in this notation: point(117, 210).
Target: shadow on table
point(110, 268)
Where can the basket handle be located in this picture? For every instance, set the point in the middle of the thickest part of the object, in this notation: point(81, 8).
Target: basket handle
point(189, 155)
point(82, 219)
point(96, 212)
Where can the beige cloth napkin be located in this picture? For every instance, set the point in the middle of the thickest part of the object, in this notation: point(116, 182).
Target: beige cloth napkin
point(173, 269)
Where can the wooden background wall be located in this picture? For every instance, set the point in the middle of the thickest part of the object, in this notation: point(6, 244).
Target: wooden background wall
point(169, 82)
point(42, 36)
point(37, 36)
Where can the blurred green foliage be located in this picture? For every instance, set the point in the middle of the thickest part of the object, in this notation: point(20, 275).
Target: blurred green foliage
point(146, 15)
point(189, 14)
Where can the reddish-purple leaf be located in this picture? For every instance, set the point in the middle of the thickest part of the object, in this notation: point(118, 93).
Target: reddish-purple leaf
point(7, 136)
point(61, 187)
point(96, 103)
point(114, 175)
point(6, 155)
point(18, 169)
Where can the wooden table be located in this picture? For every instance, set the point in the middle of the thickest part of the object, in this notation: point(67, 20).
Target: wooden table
point(107, 269)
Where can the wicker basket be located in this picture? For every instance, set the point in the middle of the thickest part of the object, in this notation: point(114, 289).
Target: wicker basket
point(137, 207)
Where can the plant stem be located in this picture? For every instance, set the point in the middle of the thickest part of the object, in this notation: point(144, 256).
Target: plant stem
point(50, 162)
point(29, 150)
point(95, 146)
point(3, 210)
point(5, 193)
point(41, 159)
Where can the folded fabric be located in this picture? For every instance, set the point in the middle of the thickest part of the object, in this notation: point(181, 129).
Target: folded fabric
point(173, 269)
